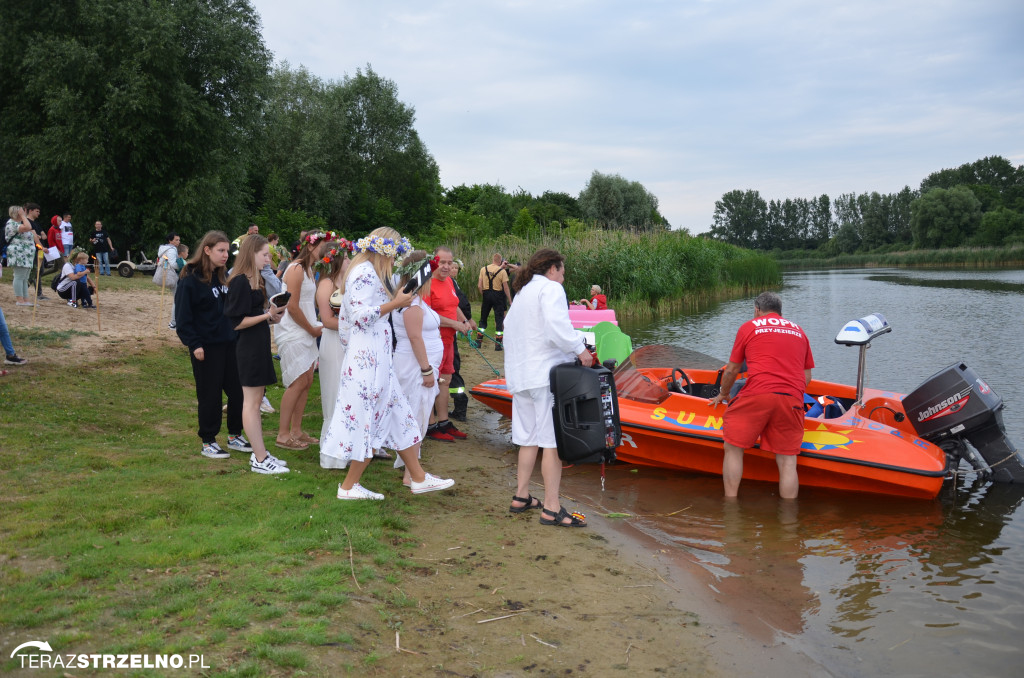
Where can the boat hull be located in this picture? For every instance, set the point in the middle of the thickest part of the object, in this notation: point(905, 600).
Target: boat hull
point(864, 450)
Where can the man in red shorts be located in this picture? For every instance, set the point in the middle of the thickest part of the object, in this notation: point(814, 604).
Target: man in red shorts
point(445, 303)
point(770, 404)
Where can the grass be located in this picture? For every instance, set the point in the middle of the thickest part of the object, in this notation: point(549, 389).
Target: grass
point(118, 536)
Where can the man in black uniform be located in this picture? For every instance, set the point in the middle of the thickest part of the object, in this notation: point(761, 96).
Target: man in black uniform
point(457, 389)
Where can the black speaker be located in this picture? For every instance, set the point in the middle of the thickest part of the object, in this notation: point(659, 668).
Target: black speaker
point(586, 413)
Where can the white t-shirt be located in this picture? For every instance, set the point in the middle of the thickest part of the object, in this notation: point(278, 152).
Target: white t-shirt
point(66, 282)
point(67, 236)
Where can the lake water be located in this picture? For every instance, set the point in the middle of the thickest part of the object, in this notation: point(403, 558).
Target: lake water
point(864, 585)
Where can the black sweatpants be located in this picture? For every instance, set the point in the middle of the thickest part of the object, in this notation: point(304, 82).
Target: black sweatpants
point(217, 373)
point(496, 301)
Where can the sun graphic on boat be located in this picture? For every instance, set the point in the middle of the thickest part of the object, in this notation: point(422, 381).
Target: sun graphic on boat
point(825, 439)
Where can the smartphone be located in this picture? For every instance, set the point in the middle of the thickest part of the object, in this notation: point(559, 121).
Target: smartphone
point(281, 300)
point(419, 279)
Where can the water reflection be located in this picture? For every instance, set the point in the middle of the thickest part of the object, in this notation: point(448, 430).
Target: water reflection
point(955, 283)
point(865, 585)
point(862, 584)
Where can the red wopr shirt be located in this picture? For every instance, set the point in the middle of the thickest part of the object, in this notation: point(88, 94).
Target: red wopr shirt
point(777, 353)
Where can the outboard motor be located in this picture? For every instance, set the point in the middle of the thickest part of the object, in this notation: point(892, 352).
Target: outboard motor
point(955, 405)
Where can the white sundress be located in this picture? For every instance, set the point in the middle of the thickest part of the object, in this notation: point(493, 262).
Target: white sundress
point(332, 354)
point(407, 367)
point(371, 411)
point(296, 346)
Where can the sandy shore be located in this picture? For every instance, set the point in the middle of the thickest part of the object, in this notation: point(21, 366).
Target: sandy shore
point(499, 594)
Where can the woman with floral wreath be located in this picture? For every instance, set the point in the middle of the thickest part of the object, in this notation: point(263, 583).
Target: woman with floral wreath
point(418, 347)
point(332, 267)
point(296, 343)
point(371, 411)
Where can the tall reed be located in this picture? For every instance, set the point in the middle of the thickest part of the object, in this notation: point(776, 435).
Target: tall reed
point(641, 273)
point(1010, 256)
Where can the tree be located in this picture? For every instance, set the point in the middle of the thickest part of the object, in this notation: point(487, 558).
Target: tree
point(740, 218)
point(945, 218)
point(303, 148)
point(614, 202)
point(391, 160)
point(998, 226)
point(820, 227)
point(145, 128)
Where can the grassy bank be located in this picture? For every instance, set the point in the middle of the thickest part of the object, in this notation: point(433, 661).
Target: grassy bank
point(642, 273)
point(958, 257)
point(119, 537)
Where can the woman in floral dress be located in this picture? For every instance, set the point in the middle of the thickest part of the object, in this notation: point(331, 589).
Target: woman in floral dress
point(371, 410)
point(21, 249)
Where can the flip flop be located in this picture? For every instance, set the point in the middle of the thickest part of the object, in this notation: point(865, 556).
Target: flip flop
point(308, 439)
point(291, 444)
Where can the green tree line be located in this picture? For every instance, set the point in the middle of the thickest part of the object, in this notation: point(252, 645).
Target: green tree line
point(979, 204)
point(168, 115)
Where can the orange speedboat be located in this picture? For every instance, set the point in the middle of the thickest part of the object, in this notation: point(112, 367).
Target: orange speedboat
point(855, 438)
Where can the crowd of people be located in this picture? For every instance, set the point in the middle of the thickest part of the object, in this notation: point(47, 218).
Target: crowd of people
point(385, 350)
point(387, 355)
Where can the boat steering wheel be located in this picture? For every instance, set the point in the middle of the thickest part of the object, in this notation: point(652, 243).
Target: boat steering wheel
point(679, 383)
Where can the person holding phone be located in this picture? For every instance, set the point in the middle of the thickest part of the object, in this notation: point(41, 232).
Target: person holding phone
point(247, 309)
point(210, 338)
point(372, 411)
point(418, 347)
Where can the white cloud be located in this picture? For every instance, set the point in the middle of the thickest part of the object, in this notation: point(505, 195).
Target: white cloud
point(692, 99)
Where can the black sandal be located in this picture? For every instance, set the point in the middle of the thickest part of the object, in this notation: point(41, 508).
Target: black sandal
point(575, 519)
point(529, 504)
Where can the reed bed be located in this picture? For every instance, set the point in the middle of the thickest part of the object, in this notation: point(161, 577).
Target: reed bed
point(1011, 256)
point(643, 274)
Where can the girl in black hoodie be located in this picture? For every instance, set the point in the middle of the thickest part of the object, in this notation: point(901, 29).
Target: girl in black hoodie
point(210, 337)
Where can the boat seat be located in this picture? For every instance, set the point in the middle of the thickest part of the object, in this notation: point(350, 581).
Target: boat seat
point(830, 409)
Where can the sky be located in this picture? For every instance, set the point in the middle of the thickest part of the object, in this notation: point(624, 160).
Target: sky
point(692, 98)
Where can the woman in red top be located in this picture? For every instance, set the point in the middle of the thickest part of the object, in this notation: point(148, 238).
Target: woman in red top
point(598, 302)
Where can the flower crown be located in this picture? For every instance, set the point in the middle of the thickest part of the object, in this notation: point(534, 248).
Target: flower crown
point(409, 269)
point(314, 238)
point(323, 264)
point(386, 246)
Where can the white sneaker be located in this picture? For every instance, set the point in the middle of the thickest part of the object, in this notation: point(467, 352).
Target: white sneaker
point(267, 466)
point(239, 443)
point(431, 484)
point(265, 406)
point(279, 462)
point(214, 451)
point(358, 492)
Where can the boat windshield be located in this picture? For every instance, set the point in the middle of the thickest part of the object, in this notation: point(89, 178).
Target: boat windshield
point(632, 383)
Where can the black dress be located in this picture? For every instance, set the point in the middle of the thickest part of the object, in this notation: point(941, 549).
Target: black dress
point(255, 365)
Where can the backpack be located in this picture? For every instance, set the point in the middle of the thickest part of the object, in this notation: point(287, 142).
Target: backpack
point(57, 277)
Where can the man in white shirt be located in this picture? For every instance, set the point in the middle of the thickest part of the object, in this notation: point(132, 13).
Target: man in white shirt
point(67, 234)
point(538, 336)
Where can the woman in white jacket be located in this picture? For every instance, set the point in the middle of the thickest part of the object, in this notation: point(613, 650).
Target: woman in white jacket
point(538, 336)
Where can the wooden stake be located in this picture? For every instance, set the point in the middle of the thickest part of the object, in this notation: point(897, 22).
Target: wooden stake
point(351, 563)
point(39, 272)
point(96, 302)
point(163, 286)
